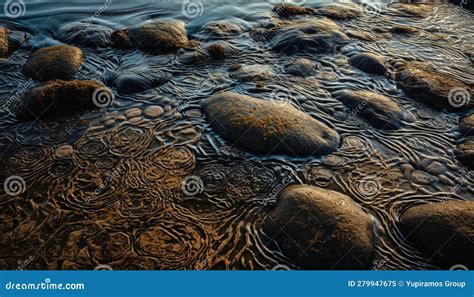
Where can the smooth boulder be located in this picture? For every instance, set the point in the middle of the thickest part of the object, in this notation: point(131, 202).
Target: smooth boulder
point(86, 34)
point(61, 97)
point(423, 83)
point(3, 42)
point(54, 62)
point(341, 11)
point(268, 126)
point(310, 36)
point(465, 152)
point(466, 125)
point(138, 79)
point(443, 231)
point(159, 37)
point(286, 10)
point(379, 110)
point(300, 67)
point(369, 62)
point(321, 229)
point(412, 9)
point(221, 29)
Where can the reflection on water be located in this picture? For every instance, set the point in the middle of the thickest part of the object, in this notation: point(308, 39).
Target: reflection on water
point(146, 184)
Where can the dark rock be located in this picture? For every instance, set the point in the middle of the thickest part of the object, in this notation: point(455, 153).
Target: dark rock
point(444, 231)
point(138, 79)
point(220, 50)
point(466, 125)
point(121, 39)
point(369, 62)
point(403, 29)
point(301, 67)
point(367, 36)
point(252, 72)
point(286, 10)
point(465, 152)
point(341, 11)
point(16, 39)
point(54, 62)
point(306, 36)
point(321, 229)
point(59, 97)
point(267, 126)
point(86, 34)
point(379, 110)
point(423, 83)
point(3, 42)
point(221, 29)
point(159, 37)
point(413, 9)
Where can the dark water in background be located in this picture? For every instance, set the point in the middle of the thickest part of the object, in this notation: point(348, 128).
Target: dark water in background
point(105, 187)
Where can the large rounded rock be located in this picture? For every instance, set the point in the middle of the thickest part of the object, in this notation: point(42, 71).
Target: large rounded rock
point(379, 110)
point(3, 42)
point(424, 84)
point(341, 11)
point(321, 229)
point(54, 62)
point(444, 231)
point(413, 9)
point(300, 67)
point(86, 34)
point(221, 29)
point(62, 96)
point(466, 125)
point(304, 36)
point(159, 37)
point(138, 79)
point(465, 152)
point(369, 62)
point(268, 127)
point(286, 10)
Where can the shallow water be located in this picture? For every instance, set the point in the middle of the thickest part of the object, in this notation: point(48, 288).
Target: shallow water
point(105, 188)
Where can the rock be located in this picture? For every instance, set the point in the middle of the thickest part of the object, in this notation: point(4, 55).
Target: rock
point(403, 29)
point(286, 10)
point(412, 9)
point(424, 84)
point(301, 67)
point(3, 42)
point(86, 34)
point(138, 79)
point(443, 230)
point(369, 62)
point(268, 127)
point(367, 36)
point(220, 50)
point(465, 152)
point(321, 229)
point(306, 36)
point(153, 111)
point(54, 62)
point(159, 37)
point(252, 72)
point(60, 96)
point(466, 125)
point(221, 29)
point(379, 110)
point(121, 39)
point(342, 11)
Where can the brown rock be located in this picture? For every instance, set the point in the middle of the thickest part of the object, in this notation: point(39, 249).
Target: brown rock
point(466, 125)
point(3, 42)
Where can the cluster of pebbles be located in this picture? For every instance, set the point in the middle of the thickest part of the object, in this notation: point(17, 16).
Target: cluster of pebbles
point(333, 231)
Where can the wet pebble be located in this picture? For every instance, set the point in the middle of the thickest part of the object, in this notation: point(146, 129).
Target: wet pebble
point(154, 111)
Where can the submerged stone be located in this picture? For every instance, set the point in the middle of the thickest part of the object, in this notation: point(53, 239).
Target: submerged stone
point(3, 42)
point(160, 36)
point(267, 126)
point(252, 72)
point(443, 231)
point(138, 79)
point(423, 83)
point(60, 97)
point(321, 229)
point(86, 34)
point(341, 11)
point(301, 67)
point(379, 110)
point(369, 62)
point(466, 125)
point(54, 62)
point(465, 152)
point(413, 9)
point(221, 29)
point(286, 10)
